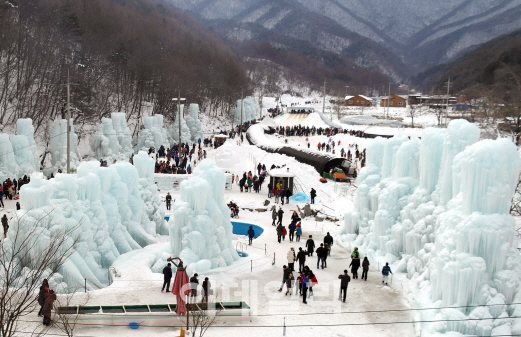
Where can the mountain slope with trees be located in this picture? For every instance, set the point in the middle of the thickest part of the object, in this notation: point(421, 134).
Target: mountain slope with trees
point(120, 54)
point(485, 66)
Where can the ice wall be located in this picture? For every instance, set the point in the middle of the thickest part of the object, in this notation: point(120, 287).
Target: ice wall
point(58, 145)
point(112, 140)
point(250, 110)
point(194, 124)
point(451, 231)
point(153, 135)
point(186, 136)
point(200, 228)
point(18, 153)
point(103, 206)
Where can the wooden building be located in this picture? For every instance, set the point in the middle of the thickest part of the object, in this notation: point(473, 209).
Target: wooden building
point(395, 102)
point(358, 100)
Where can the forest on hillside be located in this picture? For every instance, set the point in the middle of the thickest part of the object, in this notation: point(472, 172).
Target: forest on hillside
point(119, 54)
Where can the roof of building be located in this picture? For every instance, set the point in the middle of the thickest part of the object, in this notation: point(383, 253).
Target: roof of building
point(281, 172)
point(361, 96)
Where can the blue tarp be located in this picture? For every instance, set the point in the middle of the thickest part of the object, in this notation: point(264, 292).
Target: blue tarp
point(300, 198)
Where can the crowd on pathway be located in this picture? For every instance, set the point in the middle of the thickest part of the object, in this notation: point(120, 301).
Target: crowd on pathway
point(305, 278)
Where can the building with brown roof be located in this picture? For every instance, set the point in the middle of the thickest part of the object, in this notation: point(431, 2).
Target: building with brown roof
point(358, 100)
point(395, 102)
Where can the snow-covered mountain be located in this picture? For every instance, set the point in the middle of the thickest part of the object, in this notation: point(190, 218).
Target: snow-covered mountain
point(423, 33)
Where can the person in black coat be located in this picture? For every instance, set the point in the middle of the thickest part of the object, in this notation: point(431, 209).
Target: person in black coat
point(343, 285)
point(310, 246)
point(328, 240)
point(207, 287)
point(167, 276)
point(365, 268)
point(301, 258)
point(280, 213)
point(321, 253)
point(168, 201)
point(313, 194)
point(251, 235)
point(194, 283)
point(355, 264)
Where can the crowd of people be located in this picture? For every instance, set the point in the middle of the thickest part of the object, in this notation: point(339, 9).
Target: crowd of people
point(306, 279)
point(177, 159)
point(250, 181)
point(10, 188)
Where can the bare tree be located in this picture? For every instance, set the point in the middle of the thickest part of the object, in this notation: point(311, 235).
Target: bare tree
point(203, 316)
point(66, 314)
point(28, 254)
point(414, 111)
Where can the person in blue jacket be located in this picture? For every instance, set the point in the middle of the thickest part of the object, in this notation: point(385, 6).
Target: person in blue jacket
point(251, 234)
point(385, 272)
point(304, 286)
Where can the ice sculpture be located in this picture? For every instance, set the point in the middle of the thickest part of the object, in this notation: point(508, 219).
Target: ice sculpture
point(18, 153)
point(24, 147)
point(148, 190)
point(8, 166)
point(186, 136)
point(200, 228)
point(112, 140)
point(194, 124)
point(451, 233)
point(250, 110)
point(106, 205)
point(58, 145)
point(153, 135)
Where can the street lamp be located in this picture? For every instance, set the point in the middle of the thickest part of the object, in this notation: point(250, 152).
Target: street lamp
point(179, 99)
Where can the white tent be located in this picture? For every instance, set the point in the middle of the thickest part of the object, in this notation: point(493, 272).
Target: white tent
point(268, 121)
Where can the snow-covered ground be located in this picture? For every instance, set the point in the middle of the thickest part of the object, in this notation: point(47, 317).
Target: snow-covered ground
point(324, 314)
point(255, 279)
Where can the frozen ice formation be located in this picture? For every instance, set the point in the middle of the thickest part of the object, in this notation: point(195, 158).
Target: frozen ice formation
point(250, 110)
point(153, 135)
point(58, 145)
point(108, 206)
point(148, 190)
point(18, 153)
point(439, 209)
point(112, 140)
point(200, 228)
point(194, 124)
point(186, 136)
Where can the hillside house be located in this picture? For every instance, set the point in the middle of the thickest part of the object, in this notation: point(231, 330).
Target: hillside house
point(358, 100)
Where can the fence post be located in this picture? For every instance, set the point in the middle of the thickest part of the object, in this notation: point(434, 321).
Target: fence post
point(273, 257)
point(251, 265)
point(85, 285)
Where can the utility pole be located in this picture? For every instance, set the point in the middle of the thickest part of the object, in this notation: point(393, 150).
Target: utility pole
point(389, 100)
point(68, 124)
point(179, 110)
point(242, 103)
point(447, 84)
point(324, 100)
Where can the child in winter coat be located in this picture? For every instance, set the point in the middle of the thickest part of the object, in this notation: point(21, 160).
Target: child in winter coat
point(298, 232)
point(284, 232)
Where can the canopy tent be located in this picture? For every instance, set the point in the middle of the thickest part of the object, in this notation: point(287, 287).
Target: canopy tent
point(268, 121)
